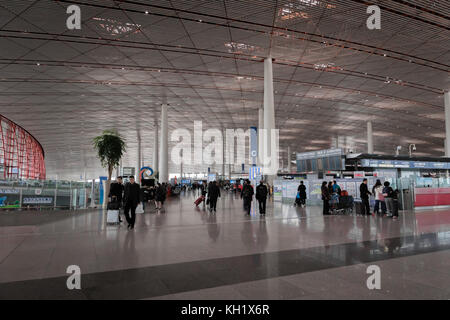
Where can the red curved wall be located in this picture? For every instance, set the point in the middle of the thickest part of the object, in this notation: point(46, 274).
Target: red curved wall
point(21, 155)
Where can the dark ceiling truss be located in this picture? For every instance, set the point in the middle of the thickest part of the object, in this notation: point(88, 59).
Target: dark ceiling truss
point(399, 114)
point(218, 54)
point(307, 36)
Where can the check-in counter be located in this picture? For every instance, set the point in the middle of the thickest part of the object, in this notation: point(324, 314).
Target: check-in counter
point(430, 197)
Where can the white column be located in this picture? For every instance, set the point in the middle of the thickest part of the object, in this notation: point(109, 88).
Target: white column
point(445, 148)
point(369, 137)
point(138, 164)
point(260, 127)
point(447, 123)
point(155, 165)
point(164, 144)
point(181, 170)
point(269, 108)
point(223, 152)
point(289, 159)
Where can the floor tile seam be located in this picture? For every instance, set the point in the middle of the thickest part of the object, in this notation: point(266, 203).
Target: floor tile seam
point(15, 248)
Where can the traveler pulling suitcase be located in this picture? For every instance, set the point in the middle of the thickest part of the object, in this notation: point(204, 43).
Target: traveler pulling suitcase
point(199, 200)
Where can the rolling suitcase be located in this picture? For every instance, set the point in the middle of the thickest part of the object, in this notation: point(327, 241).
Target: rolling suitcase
point(199, 200)
point(112, 216)
point(358, 207)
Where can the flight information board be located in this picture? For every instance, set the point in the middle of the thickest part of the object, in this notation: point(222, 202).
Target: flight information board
point(322, 160)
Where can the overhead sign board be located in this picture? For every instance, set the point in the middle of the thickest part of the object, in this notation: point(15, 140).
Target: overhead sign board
point(128, 171)
point(372, 163)
point(320, 154)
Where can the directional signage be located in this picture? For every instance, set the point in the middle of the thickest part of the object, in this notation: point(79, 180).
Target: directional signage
point(372, 163)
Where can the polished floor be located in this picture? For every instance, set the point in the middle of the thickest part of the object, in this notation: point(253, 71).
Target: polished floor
point(186, 252)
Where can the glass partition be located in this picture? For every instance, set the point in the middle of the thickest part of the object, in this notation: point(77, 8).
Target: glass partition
point(46, 194)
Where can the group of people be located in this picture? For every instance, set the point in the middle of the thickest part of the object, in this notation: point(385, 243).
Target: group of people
point(385, 196)
point(211, 192)
point(329, 190)
point(129, 196)
point(247, 193)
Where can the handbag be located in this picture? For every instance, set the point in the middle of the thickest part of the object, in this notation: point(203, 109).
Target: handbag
point(207, 201)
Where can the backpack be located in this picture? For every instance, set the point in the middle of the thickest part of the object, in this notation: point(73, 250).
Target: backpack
point(247, 192)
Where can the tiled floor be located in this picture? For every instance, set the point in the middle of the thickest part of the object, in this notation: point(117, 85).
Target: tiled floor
point(291, 253)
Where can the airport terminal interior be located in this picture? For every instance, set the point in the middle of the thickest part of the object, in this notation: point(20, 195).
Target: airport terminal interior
point(225, 150)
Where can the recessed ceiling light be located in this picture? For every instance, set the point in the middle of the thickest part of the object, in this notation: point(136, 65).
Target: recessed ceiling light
point(38, 64)
point(146, 11)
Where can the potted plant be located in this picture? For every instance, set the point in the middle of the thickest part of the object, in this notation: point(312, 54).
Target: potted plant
point(110, 147)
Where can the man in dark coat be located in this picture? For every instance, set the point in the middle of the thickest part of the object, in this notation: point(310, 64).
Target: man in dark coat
point(302, 193)
point(213, 194)
point(261, 196)
point(132, 197)
point(364, 194)
point(325, 198)
point(116, 192)
point(247, 194)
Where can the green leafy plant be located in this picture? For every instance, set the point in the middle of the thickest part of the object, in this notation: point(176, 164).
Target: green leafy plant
point(110, 148)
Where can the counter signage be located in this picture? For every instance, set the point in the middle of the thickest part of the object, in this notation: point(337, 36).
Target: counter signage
point(404, 164)
point(9, 191)
point(38, 200)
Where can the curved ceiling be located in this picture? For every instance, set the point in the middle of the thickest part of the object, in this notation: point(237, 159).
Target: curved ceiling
point(204, 58)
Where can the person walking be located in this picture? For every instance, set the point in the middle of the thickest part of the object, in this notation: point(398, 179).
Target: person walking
point(261, 196)
point(132, 195)
point(377, 191)
point(247, 194)
point(364, 194)
point(159, 196)
point(325, 198)
point(204, 191)
point(302, 193)
point(213, 194)
point(116, 193)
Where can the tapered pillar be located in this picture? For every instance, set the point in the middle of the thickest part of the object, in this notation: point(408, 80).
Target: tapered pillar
point(138, 164)
point(164, 147)
point(155, 163)
point(260, 127)
point(289, 159)
point(223, 153)
point(269, 111)
point(447, 123)
point(369, 137)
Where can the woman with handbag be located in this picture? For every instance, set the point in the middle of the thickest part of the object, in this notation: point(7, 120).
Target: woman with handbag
point(377, 190)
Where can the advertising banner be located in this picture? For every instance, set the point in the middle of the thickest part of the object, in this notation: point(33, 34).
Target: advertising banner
point(277, 190)
point(102, 187)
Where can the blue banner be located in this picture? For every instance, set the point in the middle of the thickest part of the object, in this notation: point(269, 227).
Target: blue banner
point(101, 188)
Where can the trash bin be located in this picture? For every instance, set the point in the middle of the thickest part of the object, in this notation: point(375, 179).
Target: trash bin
point(405, 201)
